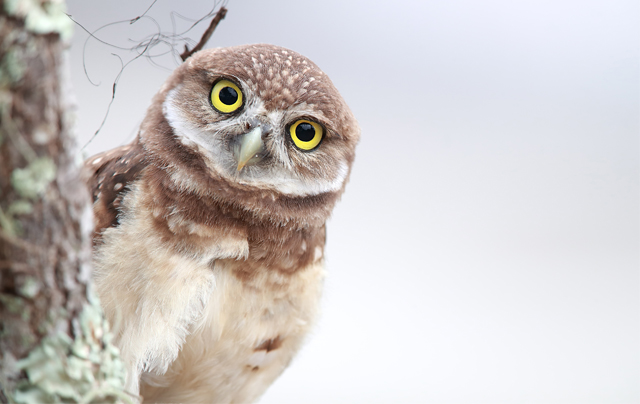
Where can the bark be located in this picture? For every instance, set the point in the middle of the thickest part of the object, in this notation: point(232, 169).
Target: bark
point(54, 342)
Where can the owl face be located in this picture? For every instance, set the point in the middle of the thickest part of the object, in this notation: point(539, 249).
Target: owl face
point(264, 117)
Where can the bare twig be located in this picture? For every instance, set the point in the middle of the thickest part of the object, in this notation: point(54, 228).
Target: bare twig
point(207, 34)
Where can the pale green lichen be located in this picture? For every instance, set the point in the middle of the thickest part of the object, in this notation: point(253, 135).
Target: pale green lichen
point(11, 69)
point(8, 225)
point(20, 207)
point(31, 181)
point(29, 288)
point(40, 17)
point(86, 369)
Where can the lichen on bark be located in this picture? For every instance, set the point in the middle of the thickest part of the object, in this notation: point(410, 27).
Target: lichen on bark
point(54, 341)
point(86, 369)
point(41, 17)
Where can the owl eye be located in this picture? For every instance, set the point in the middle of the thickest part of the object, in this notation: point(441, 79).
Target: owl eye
point(306, 135)
point(226, 97)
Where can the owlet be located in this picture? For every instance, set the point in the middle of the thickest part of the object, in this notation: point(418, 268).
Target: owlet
point(210, 225)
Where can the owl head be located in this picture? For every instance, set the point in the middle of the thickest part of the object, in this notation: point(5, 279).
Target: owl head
point(258, 127)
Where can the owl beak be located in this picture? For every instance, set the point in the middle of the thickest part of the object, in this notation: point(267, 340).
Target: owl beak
point(250, 145)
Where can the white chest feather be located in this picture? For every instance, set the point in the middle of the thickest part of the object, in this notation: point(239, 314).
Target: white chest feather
point(188, 326)
point(245, 339)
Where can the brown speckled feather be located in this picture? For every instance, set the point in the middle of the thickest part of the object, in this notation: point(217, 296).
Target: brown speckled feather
point(108, 176)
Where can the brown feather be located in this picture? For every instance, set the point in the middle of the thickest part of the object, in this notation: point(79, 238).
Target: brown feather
point(108, 176)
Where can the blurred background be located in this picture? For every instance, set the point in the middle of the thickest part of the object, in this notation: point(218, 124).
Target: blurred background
point(487, 247)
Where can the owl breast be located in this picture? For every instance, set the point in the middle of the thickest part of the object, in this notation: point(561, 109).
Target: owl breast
point(247, 337)
point(205, 313)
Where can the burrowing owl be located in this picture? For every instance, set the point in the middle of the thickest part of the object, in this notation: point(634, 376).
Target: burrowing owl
point(210, 226)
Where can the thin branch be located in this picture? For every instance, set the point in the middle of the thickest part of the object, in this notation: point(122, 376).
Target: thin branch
point(113, 93)
point(144, 46)
point(143, 14)
point(207, 34)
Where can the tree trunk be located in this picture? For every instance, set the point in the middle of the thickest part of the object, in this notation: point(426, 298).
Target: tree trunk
point(54, 342)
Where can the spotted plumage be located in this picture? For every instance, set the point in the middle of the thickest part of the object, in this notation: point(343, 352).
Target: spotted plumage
point(210, 226)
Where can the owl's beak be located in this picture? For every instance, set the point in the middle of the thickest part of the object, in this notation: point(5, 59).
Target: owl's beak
point(250, 145)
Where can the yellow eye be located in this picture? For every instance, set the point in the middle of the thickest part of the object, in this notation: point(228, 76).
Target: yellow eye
point(226, 97)
point(306, 134)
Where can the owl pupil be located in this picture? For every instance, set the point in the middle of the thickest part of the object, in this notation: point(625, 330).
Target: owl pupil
point(228, 96)
point(305, 132)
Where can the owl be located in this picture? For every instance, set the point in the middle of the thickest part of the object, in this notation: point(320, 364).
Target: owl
point(210, 226)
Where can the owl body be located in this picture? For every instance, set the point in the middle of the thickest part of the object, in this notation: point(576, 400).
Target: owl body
point(210, 226)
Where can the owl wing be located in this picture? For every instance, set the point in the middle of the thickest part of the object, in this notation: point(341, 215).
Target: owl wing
point(108, 175)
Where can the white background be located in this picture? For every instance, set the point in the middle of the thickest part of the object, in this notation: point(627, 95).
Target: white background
point(487, 247)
